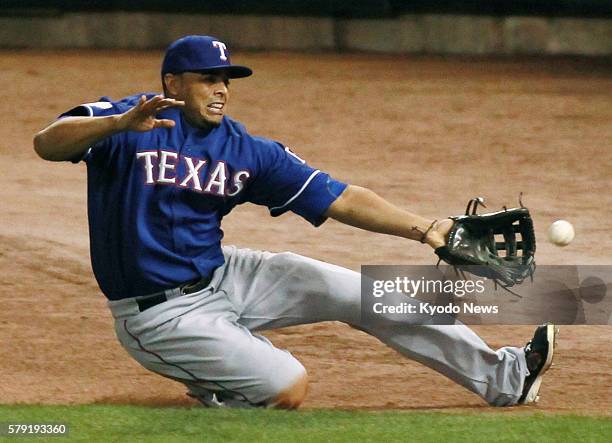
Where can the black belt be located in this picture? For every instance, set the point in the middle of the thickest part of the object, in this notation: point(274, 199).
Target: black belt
point(159, 297)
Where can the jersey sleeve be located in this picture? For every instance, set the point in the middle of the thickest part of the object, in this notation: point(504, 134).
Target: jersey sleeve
point(101, 108)
point(284, 182)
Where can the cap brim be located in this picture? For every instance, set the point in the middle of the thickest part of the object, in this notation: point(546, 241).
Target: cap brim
point(233, 71)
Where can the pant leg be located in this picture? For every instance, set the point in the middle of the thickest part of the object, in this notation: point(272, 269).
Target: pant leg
point(277, 290)
point(196, 340)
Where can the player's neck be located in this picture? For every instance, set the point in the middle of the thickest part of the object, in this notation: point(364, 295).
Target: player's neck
point(199, 124)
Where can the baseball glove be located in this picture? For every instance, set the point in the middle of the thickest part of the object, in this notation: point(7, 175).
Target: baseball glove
point(472, 242)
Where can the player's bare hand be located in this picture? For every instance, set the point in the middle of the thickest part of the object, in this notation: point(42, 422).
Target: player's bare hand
point(438, 236)
point(142, 117)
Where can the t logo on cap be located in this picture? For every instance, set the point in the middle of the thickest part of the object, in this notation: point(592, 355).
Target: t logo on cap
point(221, 46)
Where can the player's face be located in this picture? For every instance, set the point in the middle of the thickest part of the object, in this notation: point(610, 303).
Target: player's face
point(205, 96)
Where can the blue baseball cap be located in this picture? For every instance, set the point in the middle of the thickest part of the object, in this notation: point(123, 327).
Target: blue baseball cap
point(201, 53)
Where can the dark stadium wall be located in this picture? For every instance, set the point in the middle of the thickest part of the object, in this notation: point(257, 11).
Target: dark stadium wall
point(565, 27)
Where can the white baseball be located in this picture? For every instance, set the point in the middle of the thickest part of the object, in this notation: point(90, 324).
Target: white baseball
point(561, 233)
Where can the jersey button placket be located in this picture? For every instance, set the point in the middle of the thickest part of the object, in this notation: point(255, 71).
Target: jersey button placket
point(179, 245)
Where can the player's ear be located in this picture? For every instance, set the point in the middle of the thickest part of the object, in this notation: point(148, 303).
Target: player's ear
point(172, 85)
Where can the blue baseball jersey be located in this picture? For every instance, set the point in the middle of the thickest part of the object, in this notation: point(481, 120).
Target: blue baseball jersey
point(156, 199)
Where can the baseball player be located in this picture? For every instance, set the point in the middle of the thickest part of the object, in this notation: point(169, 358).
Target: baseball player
point(163, 171)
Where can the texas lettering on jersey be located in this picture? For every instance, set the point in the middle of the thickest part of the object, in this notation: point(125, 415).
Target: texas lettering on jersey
point(161, 167)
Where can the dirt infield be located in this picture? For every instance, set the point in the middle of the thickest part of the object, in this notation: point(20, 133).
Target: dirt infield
point(427, 133)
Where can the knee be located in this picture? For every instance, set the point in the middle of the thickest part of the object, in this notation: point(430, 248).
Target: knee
point(294, 395)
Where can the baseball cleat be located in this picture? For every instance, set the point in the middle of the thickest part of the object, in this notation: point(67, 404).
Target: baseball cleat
point(539, 355)
point(215, 400)
point(208, 399)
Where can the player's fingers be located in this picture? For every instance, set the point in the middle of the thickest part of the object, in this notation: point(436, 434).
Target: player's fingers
point(150, 107)
point(167, 103)
point(174, 102)
point(171, 101)
point(161, 108)
point(141, 101)
point(164, 123)
point(156, 99)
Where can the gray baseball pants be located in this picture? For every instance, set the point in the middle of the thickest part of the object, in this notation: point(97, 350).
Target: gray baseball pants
point(206, 341)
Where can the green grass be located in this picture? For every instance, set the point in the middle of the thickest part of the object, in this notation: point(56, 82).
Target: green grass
point(132, 424)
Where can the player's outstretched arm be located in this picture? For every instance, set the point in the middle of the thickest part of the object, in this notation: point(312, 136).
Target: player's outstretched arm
point(69, 138)
point(362, 208)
